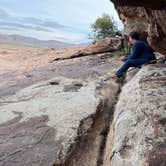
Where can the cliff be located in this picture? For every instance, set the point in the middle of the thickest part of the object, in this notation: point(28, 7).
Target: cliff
point(137, 135)
point(146, 17)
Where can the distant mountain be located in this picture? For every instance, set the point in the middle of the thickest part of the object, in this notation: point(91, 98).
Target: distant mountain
point(30, 41)
point(85, 44)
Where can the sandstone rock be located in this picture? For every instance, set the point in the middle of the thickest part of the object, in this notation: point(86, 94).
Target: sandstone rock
point(62, 121)
point(134, 19)
point(82, 67)
point(105, 45)
point(146, 18)
point(137, 135)
point(42, 124)
point(131, 73)
point(145, 3)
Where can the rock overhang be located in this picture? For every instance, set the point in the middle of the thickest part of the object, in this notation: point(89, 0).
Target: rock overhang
point(147, 18)
point(156, 5)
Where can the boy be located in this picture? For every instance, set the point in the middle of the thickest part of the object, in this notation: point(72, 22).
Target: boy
point(141, 53)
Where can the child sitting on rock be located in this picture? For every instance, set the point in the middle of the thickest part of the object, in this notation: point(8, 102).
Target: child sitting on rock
point(141, 53)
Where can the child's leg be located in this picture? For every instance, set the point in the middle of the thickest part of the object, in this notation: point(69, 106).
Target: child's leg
point(130, 63)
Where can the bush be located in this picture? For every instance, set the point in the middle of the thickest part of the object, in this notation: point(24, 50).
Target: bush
point(103, 27)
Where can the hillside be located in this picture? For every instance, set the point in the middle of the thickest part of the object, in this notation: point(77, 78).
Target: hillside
point(29, 41)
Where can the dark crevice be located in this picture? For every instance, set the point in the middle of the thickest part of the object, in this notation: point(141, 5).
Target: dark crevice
point(86, 143)
point(110, 109)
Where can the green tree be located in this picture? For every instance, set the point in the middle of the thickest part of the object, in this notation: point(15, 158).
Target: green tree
point(103, 27)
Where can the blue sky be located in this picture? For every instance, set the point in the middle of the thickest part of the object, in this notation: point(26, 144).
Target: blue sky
point(64, 20)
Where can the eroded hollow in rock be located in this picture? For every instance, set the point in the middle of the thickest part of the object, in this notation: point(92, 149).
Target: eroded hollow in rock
point(54, 83)
point(73, 87)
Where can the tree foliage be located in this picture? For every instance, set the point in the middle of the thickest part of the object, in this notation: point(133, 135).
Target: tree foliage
point(103, 27)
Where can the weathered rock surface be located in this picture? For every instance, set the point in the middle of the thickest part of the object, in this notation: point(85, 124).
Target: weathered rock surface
point(81, 67)
point(102, 46)
point(146, 17)
point(62, 121)
point(137, 135)
point(23, 66)
point(41, 124)
point(160, 4)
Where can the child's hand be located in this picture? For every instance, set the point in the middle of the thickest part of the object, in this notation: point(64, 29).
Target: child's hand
point(122, 58)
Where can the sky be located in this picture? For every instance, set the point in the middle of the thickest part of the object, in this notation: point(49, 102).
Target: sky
point(63, 20)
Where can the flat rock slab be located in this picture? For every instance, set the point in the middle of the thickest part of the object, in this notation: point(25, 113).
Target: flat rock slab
point(40, 125)
point(84, 67)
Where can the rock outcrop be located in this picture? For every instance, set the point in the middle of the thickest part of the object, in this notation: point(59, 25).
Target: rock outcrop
point(137, 135)
point(105, 45)
point(146, 17)
point(102, 46)
point(62, 121)
point(160, 4)
point(42, 124)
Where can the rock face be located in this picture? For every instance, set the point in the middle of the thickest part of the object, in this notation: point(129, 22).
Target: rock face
point(146, 17)
point(160, 4)
point(82, 67)
point(62, 121)
point(42, 124)
point(137, 135)
point(105, 45)
point(98, 47)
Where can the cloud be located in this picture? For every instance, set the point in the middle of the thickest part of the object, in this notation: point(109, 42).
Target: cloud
point(42, 22)
point(3, 13)
point(45, 28)
point(32, 23)
point(23, 26)
point(53, 24)
point(31, 20)
point(8, 28)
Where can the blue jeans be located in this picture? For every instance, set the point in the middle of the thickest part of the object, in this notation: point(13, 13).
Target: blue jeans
point(131, 63)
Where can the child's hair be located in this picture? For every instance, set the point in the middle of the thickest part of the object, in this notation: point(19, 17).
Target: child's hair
point(134, 35)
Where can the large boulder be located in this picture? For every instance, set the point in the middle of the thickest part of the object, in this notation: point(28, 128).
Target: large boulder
point(61, 121)
point(101, 46)
point(43, 124)
point(137, 135)
point(146, 17)
point(160, 4)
